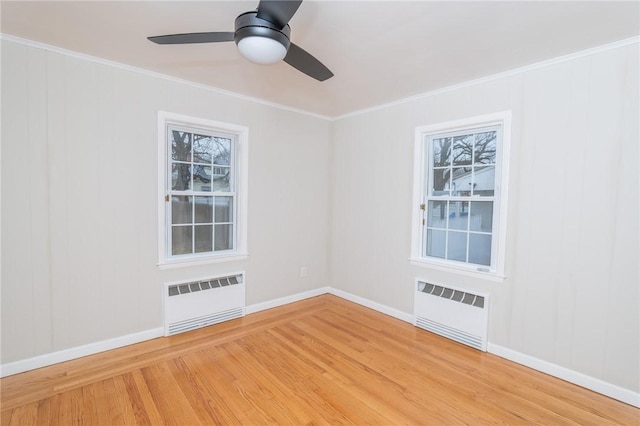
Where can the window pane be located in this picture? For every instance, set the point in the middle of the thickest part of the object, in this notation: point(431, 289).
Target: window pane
point(222, 151)
point(224, 237)
point(458, 215)
point(481, 216)
point(204, 237)
point(480, 249)
point(461, 181)
point(204, 210)
point(202, 178)
point(485, 148)
point(221, 179)
point(436, 241)
point(180, 146)
point(181, 209)
point(180, 177)
point(224, 209)
point(437, 214)
point(441, 181)
point(462, 150)
point(202, 149)
point(457, 246)
point(484, 181)
point(180, 240)
point(441, 152)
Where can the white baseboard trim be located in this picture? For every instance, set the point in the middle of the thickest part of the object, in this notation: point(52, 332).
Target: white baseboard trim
point(616, 392)
point(339, 293)
point(373, 305)
point(45, 360)
point(600, 386)
point(257, 307)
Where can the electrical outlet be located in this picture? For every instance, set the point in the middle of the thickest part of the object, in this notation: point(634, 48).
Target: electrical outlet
point(303, 271)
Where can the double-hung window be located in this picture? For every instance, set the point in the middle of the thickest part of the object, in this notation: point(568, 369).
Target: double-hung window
point(203, 201)
point(460, 206)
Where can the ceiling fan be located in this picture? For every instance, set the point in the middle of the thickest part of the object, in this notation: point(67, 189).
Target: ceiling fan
point(262, 37)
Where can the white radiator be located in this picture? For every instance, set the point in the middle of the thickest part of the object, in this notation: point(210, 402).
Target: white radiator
point(195, 304)
point(460, 315)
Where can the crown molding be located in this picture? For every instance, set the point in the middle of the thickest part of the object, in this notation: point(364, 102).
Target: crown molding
point(509, 73)
point(114, 64)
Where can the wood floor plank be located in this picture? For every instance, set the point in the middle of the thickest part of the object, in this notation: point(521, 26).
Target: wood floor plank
point(322, 360)
point(453, 384)
point(382, 396)
point(135, 399)
point(144, 398)
point(587, 406)
point(43, 412)
point(89, 408)
point(25, 415)
point(54, 410)
point(106, 400)
point(289, 377)
point(401, 371)
point(217, 382)
point(293, 373)
point(173, 406)
point(71, 410)
point(37, 384)
point(291, 369)
point(258, 389)
point(124, 401)
point(267, 393)
point(5, 416)
point(207, 405)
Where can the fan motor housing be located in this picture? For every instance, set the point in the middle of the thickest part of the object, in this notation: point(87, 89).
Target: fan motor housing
point(249, 25)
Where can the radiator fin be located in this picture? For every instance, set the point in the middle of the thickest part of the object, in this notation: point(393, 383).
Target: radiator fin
point(451, 294)
point(450, 333)
point(204, 321)
point(192, 287)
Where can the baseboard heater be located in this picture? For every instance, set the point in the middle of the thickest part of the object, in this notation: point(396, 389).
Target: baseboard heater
point(199, 303)
point(455, 313)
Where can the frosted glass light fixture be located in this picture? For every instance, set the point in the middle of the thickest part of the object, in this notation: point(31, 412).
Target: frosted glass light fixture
point(262, 50)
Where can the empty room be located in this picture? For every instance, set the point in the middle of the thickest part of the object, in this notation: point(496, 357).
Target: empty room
point(320, 212)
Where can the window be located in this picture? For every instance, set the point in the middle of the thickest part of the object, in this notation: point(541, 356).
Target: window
point(203, 190)
point(459, 194)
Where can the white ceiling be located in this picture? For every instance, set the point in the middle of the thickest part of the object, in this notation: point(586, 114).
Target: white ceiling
point(379, 51)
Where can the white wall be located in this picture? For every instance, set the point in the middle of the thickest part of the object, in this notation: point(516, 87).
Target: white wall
point(571, 296)
point(79, 199)
point(79, 207)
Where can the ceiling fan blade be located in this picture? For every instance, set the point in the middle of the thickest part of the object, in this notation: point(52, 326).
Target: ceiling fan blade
point(303, 61)
point(193, 38)
point(278, 12)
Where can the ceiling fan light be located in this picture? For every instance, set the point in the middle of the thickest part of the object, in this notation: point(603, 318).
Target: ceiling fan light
point(262, 50)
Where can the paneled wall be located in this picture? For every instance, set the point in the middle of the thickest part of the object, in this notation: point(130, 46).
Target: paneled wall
point(79, 204)
point(571, 296)
point(80, 200)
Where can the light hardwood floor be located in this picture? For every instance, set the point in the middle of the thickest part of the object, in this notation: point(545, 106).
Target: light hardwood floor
point(319, 361)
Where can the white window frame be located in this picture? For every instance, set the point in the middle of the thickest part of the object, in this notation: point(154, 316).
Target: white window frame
point(241, 138)
point(422, 176)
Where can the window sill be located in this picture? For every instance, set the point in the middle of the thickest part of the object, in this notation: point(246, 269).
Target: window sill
point(461, 270)
point(184, 263)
